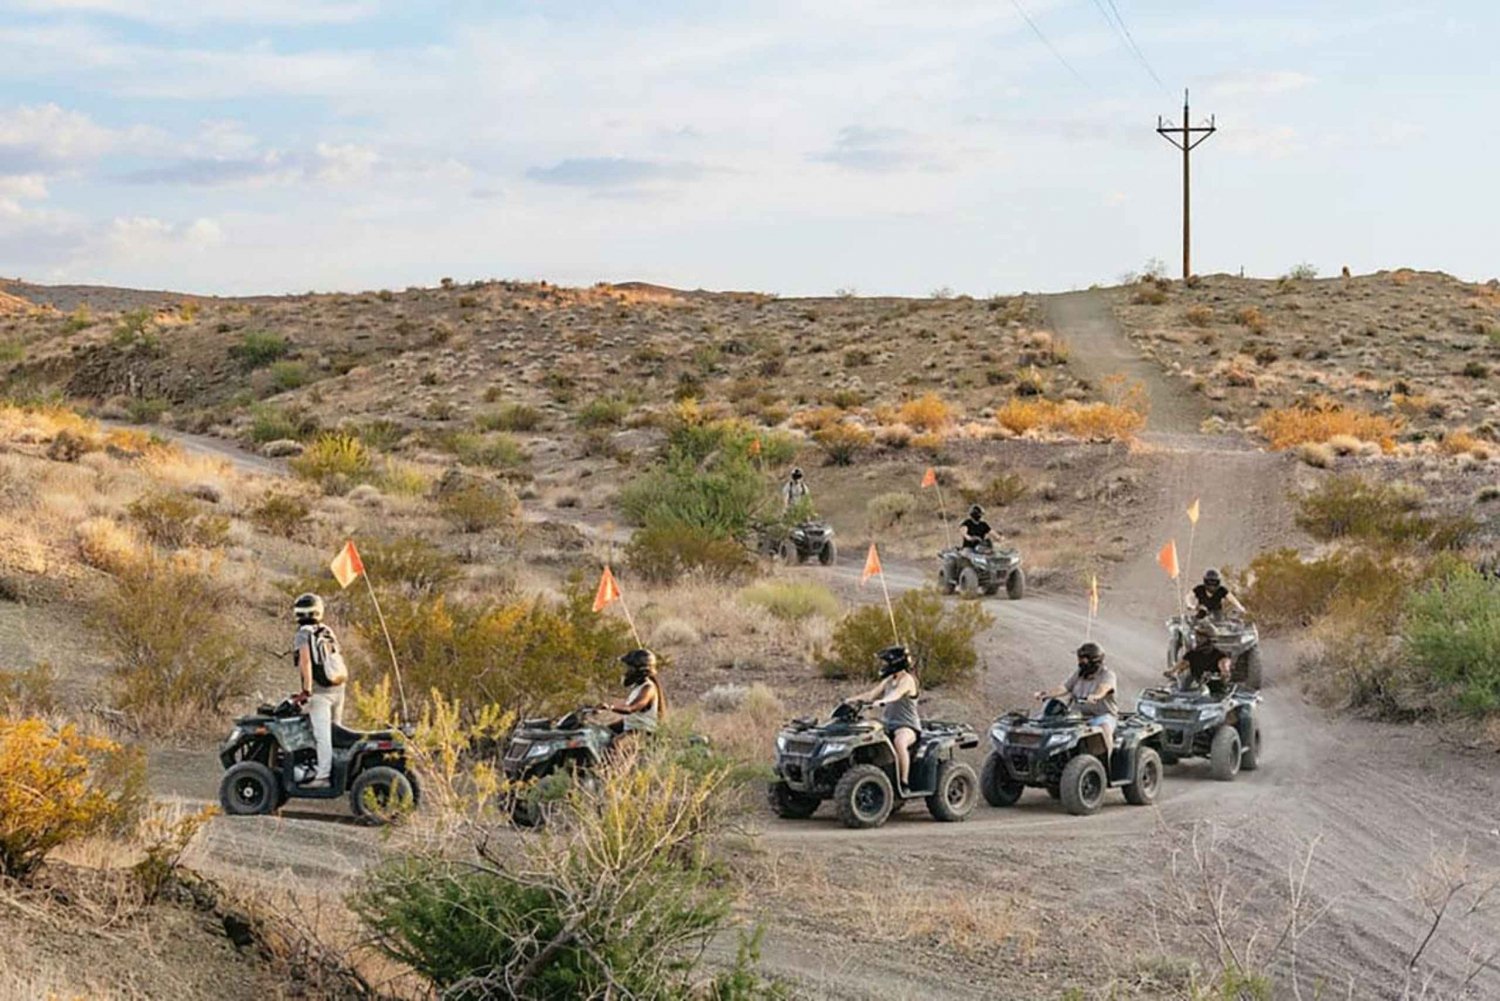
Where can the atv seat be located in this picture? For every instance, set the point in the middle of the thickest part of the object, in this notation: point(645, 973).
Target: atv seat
point(344, 739)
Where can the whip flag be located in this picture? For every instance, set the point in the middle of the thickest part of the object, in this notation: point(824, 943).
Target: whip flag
point(347, 567)
point(1167, 558)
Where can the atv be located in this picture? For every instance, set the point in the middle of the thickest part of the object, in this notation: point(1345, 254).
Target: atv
point(809, 540)
point(1218, 722)
point(1236, 638)
point(1059, 750)
point(270, 755)
point(972, 570)
point(571, 744)
point(851, 761)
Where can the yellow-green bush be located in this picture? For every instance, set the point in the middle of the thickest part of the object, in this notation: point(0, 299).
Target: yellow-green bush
point(335, 462)
point(792, 600)
point(842, 442)
point(481, 507)
point(175, 520)
point(1352, 507)
point(664, 553)
point(60, 786)
point(940, 636)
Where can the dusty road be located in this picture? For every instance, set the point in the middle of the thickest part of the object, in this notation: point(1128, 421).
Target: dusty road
point(1375, 802)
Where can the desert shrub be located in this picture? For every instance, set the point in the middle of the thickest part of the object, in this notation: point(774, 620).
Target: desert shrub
point(940, 635)
point(382, 434)
point(602, 411)
point(888, 510)
point(270, 423)
point(259, 348)
point(1102, 421)
point(1285, 590)
point(281, 513)
point(480, 507)
point(1001, 490)
point(1302, 272)
point(165, 834)
point(1148, 295)
point(666, 552)
point(168, 631)
point(792, 601)
point(1199, 316)
point(105, 544)
point(289, 375)
point(11, 351)
point(843, 442)
point(719, 499)
point(146, 409)
point(60, 786)
point(411, 563)
point(497, 451)
point(1352, 507)
point(335, 462)
point(28, 691)
point(70, 446)
point(403, 479)
point(1451, 632)
point(926, 413)
point(175, 520)
point(511, 417)
point(1464, 442)
point(1320, 419)
point(1251, 318)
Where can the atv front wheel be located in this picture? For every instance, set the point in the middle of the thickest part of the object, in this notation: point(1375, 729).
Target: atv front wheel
point(828, 554)
point(381, 795)
point(945, 583)
point(953, 800)
point(997, 788)
point(1142, 792)
point(788, 552)
point(1250, 757)
point(249, 789)
point(1224, 754)
point(1015, 584)
point(863, 797)
point(1083, 785)
point(1247, 670)
point(788, 804)
point(968, 582)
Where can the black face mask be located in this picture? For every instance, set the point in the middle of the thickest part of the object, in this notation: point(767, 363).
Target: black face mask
point(1087, 669)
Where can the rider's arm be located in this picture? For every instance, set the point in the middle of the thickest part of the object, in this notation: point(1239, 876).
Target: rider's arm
point(1056, 693)
point(906, 687)
point(1235, 602)
point(647, 696)
point(304, 665)
point(869, 694)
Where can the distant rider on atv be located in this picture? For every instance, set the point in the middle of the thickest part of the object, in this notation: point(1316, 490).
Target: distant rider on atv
point(1204, 663)
point(644, 707)
point(1092, 691)
point(794, 491)
point(976, 529)
point(1210, 597)
point(897, 691)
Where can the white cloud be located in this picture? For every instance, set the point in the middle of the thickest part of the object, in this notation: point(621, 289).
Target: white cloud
point(1252, 83)
point(23, 187)
point(47, 134)
point(182, 13)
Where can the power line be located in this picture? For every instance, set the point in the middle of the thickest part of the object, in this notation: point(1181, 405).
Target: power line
point(1050, 47)
point(1135, 49)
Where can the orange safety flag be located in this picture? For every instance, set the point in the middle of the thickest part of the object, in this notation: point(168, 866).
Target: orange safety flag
point(755, 446)
point(872, 566)
point(1094, 595)
point(929, 478)
point(1168, 559)
point(608, 593)
point(1193, 511)
point(347, 566)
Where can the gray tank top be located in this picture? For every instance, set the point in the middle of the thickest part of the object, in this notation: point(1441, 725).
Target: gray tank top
point(647, 719)
point(902, 712)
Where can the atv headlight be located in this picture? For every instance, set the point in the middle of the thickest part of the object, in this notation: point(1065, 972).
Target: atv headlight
point(541, 749)
point(834, 747)
point(798, 534)
point(781, 742)
point(1059, 738)
point(1210, 712)
point(1146, 709)
point(999, 732)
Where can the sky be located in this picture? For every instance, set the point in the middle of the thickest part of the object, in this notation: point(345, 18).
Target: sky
point(801, 148)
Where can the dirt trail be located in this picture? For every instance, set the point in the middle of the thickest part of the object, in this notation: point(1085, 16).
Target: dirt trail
point(1378, 800)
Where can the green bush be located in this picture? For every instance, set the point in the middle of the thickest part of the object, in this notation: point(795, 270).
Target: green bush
point(495, 451)
point(719, 497)
point(511, 417)
point(275, 423)
point(381, 434)
point(289, 375)
point(411, 563)
point(792, 600)
point(664, 553)
point(480, 507)
point(146, 410)
point(258, 348)
point(602, 411)
point(175, 520)
point(281, 514)
point(1451, 632)
point(335, 462)
point(1352, 507)
point(940, 635)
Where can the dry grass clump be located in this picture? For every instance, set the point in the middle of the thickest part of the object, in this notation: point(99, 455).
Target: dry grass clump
point(1199, 316)
point(1322, 419)
point(1316, 454)
point(890, 510)
point(105, 544)
point(842, 442)
point(1251, 318)
point(792, 600)
point(1464, 442)
point(926, 413)
point(1092, 421)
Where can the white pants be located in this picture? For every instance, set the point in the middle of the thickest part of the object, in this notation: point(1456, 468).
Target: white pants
point(325, 707)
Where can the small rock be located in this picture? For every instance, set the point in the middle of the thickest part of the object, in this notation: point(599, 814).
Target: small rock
point(281, 448)
point(366, 494)
point(239, 929)
point(206, 492)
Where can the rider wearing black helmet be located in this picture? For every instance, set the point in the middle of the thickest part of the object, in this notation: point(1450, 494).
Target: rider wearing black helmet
point(1210, 597)
point(643, 708)
point(897, 691)
point(1091, 688)
point(976, 529)
point(1204, 662)
point(795, 489)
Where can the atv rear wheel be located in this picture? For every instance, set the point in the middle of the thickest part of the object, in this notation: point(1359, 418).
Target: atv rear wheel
point(1083, 784)
point(1015, 584)
point(788, 804)
point(1224, 754)
point(1142, 792)
point(863, 797)
point(828, 553)
point(1250, 757)
point(788, 552)
point(997, 787)
point(968, 582)
point(381, 795)
point(955, 796)
point(249, 789)
point(1247, 670)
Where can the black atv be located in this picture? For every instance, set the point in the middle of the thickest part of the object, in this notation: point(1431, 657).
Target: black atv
point(971, 571)
point(1236, 638)
point(1217, 722)
point(571, 745)
point(851, 761)
point(804, 541)
point(1057, 749)
point(269, 756)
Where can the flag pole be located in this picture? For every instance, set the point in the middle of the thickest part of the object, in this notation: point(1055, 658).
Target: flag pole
point(626, 609)
point(888, 609)
point(391, 647)
point(943, 507)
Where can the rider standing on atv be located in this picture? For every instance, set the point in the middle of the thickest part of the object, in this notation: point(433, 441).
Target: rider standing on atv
point(314, 648)
point(1092, 691)
point(976, 529)
point(1203, 662)
point(643, 708)
point(897, 691)
point(1210, 597)
point(794, 491)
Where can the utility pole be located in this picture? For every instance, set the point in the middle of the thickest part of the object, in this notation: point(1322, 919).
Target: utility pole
point(1187, 138)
